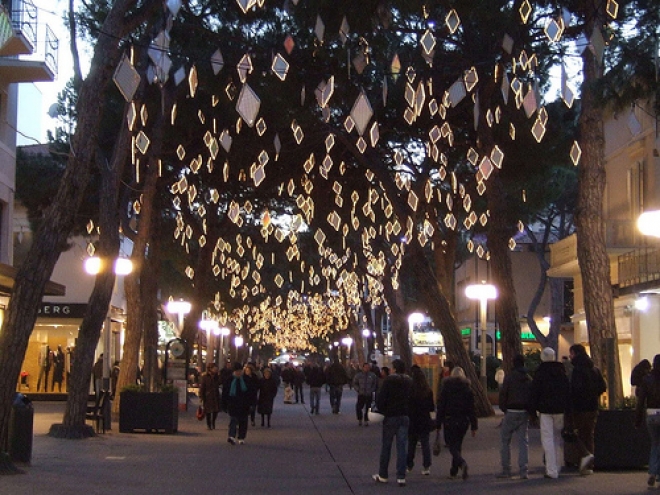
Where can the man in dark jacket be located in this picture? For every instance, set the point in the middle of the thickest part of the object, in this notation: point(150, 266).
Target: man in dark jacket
point(392, 402)
point(586, 387)
point(315, 380)
point(336, 378)
point(514, 401)
point(364, 383)
point(550, 398)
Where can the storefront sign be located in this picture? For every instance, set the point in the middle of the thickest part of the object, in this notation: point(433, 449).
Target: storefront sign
point(61, 310)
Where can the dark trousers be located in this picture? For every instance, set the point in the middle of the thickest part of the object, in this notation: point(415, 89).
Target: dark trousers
point(422, 438)
point(298, 389)
point(240, 423)
point(585, 423)
point(363, 404)
point(455, 430)
point(210, 420)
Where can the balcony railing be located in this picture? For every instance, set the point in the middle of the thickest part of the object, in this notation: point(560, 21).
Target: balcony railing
point(24, 18)
point(51, 47)
point(639, 267)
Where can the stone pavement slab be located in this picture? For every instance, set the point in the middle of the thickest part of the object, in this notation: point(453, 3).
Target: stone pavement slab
point(327, 454)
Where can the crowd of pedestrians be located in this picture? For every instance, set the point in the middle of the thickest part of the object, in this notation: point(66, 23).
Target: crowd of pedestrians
point(561, 399)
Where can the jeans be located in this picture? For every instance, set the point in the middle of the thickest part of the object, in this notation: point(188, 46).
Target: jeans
point(551, 426)
point(514, 422)
point(363, 404)
point(394, 426)
point(654, 458)
point(240, 423)
point(335, 397)
point(422, 438)
point(314, 398)
point(455, 430)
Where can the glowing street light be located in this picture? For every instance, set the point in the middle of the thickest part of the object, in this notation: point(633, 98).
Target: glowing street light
point(179, 308)
point(648, 223)
point(238, 342)
point(482, 292)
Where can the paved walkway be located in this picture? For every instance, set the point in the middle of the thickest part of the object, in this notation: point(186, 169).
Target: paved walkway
point(328, 454)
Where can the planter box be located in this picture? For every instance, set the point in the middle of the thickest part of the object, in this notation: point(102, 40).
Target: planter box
point(148, 411)
point(618, 444)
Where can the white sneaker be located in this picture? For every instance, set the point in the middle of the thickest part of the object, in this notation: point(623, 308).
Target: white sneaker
point(426, 471)
point(241, 442)
point(587, 462)
point(379, 479)
point(401, 482)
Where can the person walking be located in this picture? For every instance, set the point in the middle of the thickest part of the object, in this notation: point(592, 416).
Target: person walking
point(364, 383)
point(420, 407)
point(298, 381)
point(515, 401)
point(315, 380)
point(268, 387)
point(209, 394)
point(550, 398)
point(586, 387)
point(336, 378)
point(392, 402)
point(456, 413)
point(252, 379)
point(236, 400)
point(648, 412)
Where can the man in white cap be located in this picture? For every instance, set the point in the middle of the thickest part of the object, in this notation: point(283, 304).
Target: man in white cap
point(550, 398)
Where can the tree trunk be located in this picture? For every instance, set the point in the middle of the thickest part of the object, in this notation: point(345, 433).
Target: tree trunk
point(591, 244)
point(59, 219)
point(399, 320)
point(149, 295)
point(438, 308)
point(506, 306)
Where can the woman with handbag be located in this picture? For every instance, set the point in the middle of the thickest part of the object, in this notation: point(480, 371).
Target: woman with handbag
point(420, 407)
point(648, 405)
point(209, 394)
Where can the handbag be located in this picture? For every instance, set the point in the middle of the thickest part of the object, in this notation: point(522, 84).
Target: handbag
point(437, 444)
point(200, 413)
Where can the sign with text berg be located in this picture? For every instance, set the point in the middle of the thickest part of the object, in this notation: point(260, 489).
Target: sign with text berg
point(62, 310)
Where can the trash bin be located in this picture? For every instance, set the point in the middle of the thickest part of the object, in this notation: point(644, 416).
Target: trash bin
point(21, 426)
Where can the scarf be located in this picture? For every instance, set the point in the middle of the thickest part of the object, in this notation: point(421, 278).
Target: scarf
point(232, 388)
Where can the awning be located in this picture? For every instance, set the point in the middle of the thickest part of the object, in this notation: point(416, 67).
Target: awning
point(8, 277)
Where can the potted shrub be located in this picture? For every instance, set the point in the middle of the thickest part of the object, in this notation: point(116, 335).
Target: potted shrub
point(140, 410)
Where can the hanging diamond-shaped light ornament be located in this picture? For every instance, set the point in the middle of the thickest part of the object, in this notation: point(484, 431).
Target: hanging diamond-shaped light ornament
point(471, 78)
point(142, 142)
point(538, 130)
point(344, 31)
point(245, 67)
point(486, 167)
point(324, 92)
point(126, 78)
point(280, 67)
point(525, 11)
point(453, 21)
point(427, 41)
point(576, 153)
point(261, 126)
point(553, 30)
point(246, 5)
point(361, 145)
point(319, 29)
point(361, 112)
point(395, 67)
point(456, 93)
point(298, 133)
point(248, 105)
point(374, 134)
point(217, 61)
point(131, 116)
point(612, 8)
point(193, 81)
point(289, 44)
point(497, 156)
point(174, 6)
point(512, 244)
point(360, 62)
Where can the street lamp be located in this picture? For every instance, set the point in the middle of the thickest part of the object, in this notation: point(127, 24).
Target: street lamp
point(366, 333)
point(238, 342)
point(648, 223)
point(180, 308)
point(211, 327)
point(347, 341)
point(482, 292)
point(224, 332)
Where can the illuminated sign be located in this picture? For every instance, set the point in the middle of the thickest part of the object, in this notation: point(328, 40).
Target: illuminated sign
point(523, 335)
point(466, 331)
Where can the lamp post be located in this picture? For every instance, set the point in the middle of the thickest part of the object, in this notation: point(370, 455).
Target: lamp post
point(224, 332)
point(366, 333)
point(179, 308)
point(238, 342)
point(482, 292)
point(212, 328)
point(347, 341)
